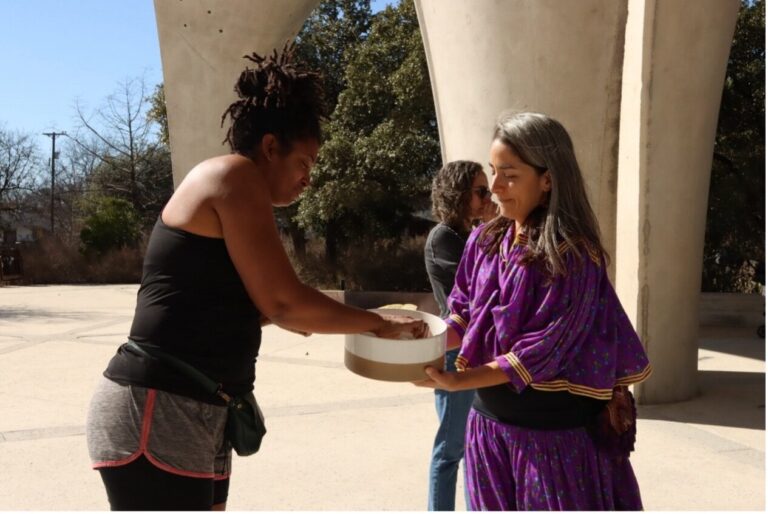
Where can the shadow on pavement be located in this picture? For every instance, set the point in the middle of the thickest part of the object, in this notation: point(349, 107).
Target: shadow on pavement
point(750, 348)
point(14, 314)
point(727, 398)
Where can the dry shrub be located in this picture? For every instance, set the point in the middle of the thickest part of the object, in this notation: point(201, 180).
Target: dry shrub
point(50, 260)
point(382, 265)
point(119, 266)
point(312, 268)
point(387, 265)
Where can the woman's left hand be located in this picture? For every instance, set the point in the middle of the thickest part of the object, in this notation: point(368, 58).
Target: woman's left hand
point(446, 380)
point(481, 376)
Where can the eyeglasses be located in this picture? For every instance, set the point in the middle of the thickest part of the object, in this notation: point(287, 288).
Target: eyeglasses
point(482, 192)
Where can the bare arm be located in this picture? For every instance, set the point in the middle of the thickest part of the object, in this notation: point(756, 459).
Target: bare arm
point(454, 340)
point(483, 376)
point(244, 210)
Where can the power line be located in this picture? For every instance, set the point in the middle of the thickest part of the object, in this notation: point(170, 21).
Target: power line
point(53, 135)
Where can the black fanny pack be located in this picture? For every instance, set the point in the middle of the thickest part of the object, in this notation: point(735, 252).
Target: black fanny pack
point(245, 423)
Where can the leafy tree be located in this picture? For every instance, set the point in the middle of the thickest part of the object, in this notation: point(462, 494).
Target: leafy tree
point(328, 38)
point(158, 113)
point(326, 41)
point(375, 168)
point(112, 223)
point(734, 251)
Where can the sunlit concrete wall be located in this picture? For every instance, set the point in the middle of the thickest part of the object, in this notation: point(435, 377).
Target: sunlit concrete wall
point(567, 59)
point(675, 62)
point(659, 87)
point(202, 43)
point(562, 58)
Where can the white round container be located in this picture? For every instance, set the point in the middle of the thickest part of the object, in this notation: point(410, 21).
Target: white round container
point(396, 360)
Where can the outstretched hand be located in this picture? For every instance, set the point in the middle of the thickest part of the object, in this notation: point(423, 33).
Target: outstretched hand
point(393, 327)
point(438, 379)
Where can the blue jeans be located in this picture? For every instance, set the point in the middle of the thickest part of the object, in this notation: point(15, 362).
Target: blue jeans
point(448, 450)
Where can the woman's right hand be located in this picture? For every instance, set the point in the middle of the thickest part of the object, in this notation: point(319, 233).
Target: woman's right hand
point(392, 327)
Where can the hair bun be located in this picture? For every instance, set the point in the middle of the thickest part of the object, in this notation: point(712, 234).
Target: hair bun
point(276, 95)
point(276, 82)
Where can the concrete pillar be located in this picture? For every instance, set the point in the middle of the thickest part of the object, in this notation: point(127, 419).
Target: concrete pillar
point(562, 58)
point(674, 66)
point(202, 43)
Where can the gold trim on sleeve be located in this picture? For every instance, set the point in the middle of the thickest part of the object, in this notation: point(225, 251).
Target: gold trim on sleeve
point(458, 319)
point(518, 367)
point(461, 364)
point(564, 385)
point(591, 392)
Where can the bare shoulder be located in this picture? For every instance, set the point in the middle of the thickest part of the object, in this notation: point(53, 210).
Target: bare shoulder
point(218, 175)
point(230, 182)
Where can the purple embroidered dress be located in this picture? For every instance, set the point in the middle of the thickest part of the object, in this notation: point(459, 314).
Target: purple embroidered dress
point(566, 334)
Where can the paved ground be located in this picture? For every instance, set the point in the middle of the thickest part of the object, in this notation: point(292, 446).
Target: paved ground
point(337, 441)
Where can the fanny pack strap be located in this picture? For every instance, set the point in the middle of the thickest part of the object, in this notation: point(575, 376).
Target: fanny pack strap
point(152, 351)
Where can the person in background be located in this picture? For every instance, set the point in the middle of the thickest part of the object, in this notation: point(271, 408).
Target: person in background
point(215, 270)
point(543, 338)
point(460, 197)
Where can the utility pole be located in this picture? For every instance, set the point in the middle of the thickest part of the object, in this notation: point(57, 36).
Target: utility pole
point(53, 135)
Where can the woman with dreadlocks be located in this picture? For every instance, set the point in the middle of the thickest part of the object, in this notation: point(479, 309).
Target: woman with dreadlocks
point(214, 271)
point(543, 338)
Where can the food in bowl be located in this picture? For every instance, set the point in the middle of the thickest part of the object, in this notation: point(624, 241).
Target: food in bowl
point(397, 360)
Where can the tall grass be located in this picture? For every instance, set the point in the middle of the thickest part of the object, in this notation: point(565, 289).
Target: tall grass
point(50, 260)
point(382, 265)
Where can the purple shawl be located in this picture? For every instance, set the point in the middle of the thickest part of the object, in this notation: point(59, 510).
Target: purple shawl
point(569, 333)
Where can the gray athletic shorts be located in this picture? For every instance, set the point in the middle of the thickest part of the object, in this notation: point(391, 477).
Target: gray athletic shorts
point(175, 433)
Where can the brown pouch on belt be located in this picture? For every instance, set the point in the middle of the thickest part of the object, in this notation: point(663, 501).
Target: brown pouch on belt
point(616, 425)
point(619, 414)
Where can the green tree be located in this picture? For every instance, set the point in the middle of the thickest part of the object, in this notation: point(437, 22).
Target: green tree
point(158, 113)
point(329, 36)
point(112, 223)
point(382, 147)
point(734, 251)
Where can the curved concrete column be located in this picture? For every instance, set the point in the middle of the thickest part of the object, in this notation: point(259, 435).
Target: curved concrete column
point(202, 43)
point(675, 62)
point(558, 57)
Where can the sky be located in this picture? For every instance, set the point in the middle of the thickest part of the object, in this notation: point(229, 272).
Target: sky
point(56, 52)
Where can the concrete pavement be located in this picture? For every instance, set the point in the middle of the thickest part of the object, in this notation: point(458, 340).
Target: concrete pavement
point(337, 441)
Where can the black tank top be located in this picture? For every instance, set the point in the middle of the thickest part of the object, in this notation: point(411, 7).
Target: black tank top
point(193, 304)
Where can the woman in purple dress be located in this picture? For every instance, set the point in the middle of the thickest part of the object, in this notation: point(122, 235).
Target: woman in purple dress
point(543, 338)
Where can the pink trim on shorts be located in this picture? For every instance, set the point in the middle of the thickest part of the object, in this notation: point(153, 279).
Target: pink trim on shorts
point(116, 463)
point(146, 425)
point(176, 471)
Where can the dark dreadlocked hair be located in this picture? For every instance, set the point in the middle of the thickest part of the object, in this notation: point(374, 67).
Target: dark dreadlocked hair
point(276, 97)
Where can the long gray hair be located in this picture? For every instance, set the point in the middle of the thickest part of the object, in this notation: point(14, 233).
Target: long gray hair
point(566, 217)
